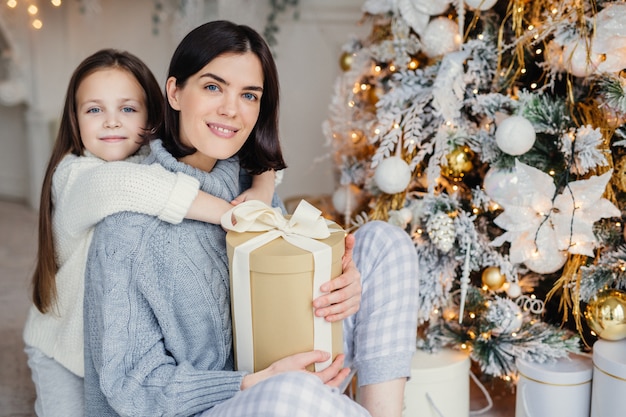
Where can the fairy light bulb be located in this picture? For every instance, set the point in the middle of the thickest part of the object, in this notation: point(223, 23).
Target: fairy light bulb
point(12, 4)
point(37, 24)
point(55, 3)
point(32, 10)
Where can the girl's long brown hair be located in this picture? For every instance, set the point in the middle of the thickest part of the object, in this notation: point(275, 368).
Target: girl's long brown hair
point(68, 141)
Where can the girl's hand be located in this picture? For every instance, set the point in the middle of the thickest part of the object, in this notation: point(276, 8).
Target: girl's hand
point(262, 189)
point(332, 376)
point(343, 296)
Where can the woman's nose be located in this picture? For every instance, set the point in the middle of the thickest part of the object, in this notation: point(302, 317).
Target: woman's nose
point(228, 107)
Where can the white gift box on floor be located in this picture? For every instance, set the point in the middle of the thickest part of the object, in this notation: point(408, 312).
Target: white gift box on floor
point(608, 395)
point(561, 388)
point(439, 385)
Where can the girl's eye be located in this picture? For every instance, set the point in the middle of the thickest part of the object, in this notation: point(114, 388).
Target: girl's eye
point(94, 110)
point(128, 109)
point(249, 96)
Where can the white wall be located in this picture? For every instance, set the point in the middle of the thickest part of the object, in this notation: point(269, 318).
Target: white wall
point(13, 157)
point(307, 59)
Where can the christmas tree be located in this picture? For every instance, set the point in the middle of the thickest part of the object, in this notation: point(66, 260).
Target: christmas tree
point(493, 133)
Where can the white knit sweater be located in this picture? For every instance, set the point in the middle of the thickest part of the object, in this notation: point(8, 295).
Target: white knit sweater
point(85, 190)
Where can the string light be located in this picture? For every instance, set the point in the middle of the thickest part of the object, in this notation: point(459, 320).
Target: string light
point(32, 10)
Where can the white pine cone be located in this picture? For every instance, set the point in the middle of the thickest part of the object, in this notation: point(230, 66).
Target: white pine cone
point(440, 228)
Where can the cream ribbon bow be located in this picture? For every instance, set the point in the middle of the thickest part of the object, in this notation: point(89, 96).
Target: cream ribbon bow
point(256, 216)
point(305, 225)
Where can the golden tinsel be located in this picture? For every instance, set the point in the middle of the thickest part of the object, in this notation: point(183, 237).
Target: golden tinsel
point(569, 283)
point(619, 176)
point(387, 202)
point(381, 32)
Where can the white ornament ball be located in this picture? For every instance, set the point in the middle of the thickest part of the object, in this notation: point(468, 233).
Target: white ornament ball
point(346, 198)
point(514, 290)
point(515, 135)
point(481, 4)
point(501, 185)
point(392, 175)
point(441, 37)
point(578, 60)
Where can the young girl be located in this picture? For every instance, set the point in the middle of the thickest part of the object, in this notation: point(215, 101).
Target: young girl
point(113, 103)
point(158, 337)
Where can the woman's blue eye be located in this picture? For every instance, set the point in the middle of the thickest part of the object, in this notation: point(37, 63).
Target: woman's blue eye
point(212, 87)
point(249, 96)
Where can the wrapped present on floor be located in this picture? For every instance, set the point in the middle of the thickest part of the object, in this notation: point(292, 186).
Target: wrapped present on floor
point(439, 385)
point(609, 378)
point(560, 388)
point(277, 265)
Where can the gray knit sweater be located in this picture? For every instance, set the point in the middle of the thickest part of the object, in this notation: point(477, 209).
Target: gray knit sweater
point(158, 335)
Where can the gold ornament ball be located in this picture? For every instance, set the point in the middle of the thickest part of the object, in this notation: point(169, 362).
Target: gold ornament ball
point(373, 94)
point(492, 278)
point(606, 314)
point(459, 162)
point(345, 61)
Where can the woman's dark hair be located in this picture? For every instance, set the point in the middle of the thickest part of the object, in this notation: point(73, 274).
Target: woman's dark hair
point(68, 141)
point(261, 151)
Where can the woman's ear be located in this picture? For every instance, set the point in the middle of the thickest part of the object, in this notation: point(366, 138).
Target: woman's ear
point(172, 93)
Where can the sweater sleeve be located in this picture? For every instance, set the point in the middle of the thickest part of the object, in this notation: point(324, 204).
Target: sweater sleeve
point(93, 191)
point(128, 365)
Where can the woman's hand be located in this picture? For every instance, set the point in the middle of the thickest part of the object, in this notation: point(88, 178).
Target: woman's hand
point(332, 376)
point(343, 294)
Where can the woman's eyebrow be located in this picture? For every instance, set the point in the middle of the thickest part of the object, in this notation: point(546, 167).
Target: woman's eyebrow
point(223, 81)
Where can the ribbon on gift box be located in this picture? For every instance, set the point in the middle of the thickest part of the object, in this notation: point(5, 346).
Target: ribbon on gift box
point(301, 230)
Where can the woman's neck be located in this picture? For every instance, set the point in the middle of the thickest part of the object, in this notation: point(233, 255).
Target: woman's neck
point(200, 161)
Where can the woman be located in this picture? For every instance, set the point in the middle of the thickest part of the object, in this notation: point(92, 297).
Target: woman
point(158, 335)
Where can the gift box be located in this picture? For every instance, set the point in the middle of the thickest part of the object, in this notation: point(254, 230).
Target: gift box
point(560, 388)
point(277, 265)
point(609, 378)
point(439, 385)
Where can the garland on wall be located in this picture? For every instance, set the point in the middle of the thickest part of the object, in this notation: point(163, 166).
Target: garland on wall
point(277, 7)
